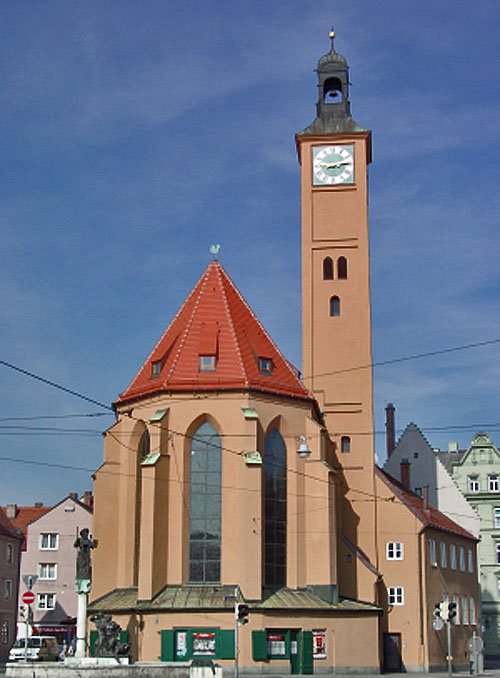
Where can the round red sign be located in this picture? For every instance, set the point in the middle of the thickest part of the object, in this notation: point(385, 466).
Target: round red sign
point(28, 597)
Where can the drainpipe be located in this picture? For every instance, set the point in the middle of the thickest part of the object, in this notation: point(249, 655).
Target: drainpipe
point(390, 430)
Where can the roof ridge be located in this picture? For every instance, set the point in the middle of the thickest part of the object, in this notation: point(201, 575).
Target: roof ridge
point(221, 273)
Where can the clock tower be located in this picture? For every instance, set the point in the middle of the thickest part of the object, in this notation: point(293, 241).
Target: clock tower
point(334, 154)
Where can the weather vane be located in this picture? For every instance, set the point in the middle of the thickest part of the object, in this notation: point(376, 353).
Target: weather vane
point(214, 249)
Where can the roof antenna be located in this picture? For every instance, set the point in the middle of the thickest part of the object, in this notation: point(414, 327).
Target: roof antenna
point(214, 249)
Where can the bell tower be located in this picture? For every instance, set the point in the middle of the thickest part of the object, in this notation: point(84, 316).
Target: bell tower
point(334, 154)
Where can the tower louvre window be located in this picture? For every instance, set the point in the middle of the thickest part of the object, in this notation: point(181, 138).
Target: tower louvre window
point(342, 268)
point(327, 268)
point(334, 307)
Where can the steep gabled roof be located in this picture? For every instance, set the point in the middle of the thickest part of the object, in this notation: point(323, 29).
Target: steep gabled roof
point(215, 321)
point(8, 529)
point(429, 516)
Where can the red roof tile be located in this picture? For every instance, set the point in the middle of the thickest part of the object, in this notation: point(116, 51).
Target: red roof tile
point(26, 515)
point(215, 320)
point(429, 516)
point(7, 527)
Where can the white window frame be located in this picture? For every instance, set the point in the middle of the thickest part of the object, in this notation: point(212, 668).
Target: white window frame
point(52, 539)
point(9, 554)
point(443, 554)
point(394, 550)
point(395, 595)
point(497, 546)
point(44, 571)
point(43, 601)
point(461, 558)
point(453, 556)
point(7, 589)
point(493, 482)
point(432, 552)
point(465, 611)
point(470, 561)
point(474, 483)
point(496, 516)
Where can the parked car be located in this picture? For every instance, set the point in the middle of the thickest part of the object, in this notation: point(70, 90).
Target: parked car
point(39, 649)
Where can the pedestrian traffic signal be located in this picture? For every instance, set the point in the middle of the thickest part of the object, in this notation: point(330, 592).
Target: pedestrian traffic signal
point(452, 611)
point(437, 611)
point(242, 611)
point(443, 610)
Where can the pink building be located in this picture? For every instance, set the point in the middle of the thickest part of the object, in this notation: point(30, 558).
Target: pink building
point(51, 556)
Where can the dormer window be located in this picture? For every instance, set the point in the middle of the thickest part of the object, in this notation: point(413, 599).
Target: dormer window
point(265, 365)
point(207, 363)
point(155, 369)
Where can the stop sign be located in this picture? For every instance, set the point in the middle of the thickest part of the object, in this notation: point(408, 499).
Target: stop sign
point(28, 597)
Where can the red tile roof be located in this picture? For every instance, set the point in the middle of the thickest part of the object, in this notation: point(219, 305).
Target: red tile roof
point(430, 516)
point(26, 515)
point(7, 528)
point(216, 321)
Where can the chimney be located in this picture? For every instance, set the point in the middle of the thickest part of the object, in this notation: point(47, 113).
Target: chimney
point(405, 473)
point(88, 499)
point(390, 431)
point(11, 511)
point(38, 504)
point(425, 497)
point(74, 496)
point(453, 446)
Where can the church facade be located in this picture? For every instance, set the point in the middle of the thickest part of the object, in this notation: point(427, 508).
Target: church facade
point(236, 506)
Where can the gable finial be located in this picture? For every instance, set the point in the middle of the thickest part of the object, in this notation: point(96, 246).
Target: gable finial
point(214, 249)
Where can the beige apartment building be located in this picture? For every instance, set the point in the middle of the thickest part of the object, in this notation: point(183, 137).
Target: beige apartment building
point(228, 478)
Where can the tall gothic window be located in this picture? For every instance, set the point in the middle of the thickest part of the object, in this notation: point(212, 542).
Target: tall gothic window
point(275, 510)
point(205, 506)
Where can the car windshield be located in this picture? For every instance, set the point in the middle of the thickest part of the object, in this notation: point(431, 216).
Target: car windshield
point(32, 642)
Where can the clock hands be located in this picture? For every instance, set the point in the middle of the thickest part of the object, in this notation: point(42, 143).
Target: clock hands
point(334, 165)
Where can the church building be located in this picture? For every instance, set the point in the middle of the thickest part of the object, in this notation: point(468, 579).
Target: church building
point(232, 487)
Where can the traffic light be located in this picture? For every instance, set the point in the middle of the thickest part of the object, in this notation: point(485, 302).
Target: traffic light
point(437, 611)
point(452, 611)
point(242, 611)
point(443, 610)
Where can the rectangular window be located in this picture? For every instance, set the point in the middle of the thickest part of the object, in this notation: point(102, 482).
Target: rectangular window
point(49, 541)
point(472, 611)
point(498, 553)
point(496, 516)
point(443, 554)
point(395, 595)
point(474, 485)
point(456, 619)
point(156, 368)
point(493, 483)
point(470, 561)
point(432, 553)
point(394, 550)
point(265, 366)
point(207, 363)
point(9, 556)
point(465, 611)
point(418, 492)
point(319, 643)
point(453, 556)
point(46, 601)
point(461, 558)
point(47, 570)
point(7, 589)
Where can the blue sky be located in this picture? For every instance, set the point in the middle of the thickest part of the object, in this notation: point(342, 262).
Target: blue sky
point(136, 134)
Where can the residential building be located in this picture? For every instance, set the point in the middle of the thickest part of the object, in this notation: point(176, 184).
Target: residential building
point(417, 465)
point(50, 556)
point(477, 474)
point(10, 550)
point(424, 558)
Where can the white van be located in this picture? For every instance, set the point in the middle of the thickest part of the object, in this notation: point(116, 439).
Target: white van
point(40, 649)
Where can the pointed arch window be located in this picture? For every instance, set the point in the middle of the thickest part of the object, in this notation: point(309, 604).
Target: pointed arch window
point(205, 506)
point(327, 268)
point(342, 268)
point(144, 446)
point(334, 306)
point(275, 510)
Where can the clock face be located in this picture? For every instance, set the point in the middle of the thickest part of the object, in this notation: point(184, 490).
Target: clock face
point(333, 165)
